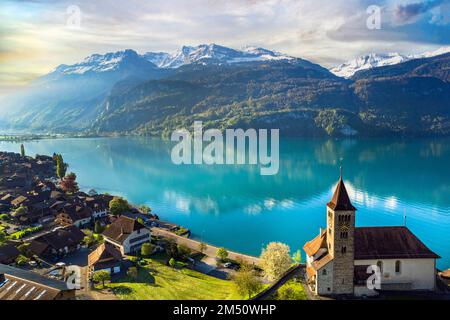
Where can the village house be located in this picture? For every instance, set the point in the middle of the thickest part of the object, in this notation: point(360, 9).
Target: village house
point(127, 235)
point(8, 253)
point(57, 243)
point(19, 284)
point(76, 215)
point(106, 257)
point(342, 257)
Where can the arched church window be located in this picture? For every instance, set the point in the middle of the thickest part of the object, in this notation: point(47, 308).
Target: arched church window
point(380, 265)
point(398, 266)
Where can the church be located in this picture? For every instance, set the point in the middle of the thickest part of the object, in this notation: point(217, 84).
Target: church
point(340, 259)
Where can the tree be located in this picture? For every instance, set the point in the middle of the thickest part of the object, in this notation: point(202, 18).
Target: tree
point(2, 237)
point(147, 249)
point(172, 262)
point(20, 211)
point(297, 257)
point(246, 282)
point(222, 254)
point(98, 228)
point(69, 183)
point(118, 206)
point(101, 276)
point(171, 248)
point(132, 272)
point(88, 241)
point(22, 150)
point(145, 209)
point(275, 260)
point(140, 220)
point(21, 260)
point(183, 252)
point(61, 166)
point(202, 247)
point(23, 248)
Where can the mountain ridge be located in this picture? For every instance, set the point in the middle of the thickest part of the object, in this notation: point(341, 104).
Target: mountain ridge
point(125, 93)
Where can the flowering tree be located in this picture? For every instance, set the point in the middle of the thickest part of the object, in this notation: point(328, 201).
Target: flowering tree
point(275, 260)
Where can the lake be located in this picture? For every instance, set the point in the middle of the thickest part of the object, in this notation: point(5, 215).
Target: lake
point(235, 207)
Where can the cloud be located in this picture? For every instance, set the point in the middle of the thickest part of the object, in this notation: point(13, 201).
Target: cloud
point(34, 37)
point(410, 13)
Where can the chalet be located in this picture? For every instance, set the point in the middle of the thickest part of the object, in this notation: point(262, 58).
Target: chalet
point(342, 257)
point(8, 253)
point(74, 215)
point(127, 235)
point(105, 257)
point(98, 206)
point(57, 243)
point(19, 284)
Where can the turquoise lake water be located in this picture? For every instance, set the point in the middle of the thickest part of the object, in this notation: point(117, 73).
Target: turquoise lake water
point(236, 207)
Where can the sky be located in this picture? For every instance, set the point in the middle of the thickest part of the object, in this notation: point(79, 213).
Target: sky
point(38, 35)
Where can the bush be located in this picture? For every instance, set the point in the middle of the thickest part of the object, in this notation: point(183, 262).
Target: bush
point(132, 272)
point(172, 262)
point(147, 249)
point(5, 217)
point(292, 290)
point(183, 252)
point(22, 260)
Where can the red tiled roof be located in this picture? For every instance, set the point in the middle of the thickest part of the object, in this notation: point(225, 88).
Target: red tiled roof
point(389, 243)
point(323, 261)
point(310, 271)
point(340, 200)
point(311, 247)
point(121, 228)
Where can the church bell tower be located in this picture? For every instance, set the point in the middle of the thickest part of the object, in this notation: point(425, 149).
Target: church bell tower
point(340, 238)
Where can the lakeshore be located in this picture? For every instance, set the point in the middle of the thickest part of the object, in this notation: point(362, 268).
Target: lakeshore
point(234, 207)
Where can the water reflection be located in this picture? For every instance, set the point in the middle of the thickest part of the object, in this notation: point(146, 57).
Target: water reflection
point(241, 209)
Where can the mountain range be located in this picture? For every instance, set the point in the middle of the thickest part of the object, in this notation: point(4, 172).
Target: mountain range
point(156, 92)
point(374, 60)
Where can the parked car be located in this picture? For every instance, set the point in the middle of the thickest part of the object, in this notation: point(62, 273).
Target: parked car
point(60, 264)
point(228, 265)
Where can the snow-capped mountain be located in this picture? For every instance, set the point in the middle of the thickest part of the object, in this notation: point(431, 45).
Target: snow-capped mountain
point(374, 60)
point(369, 61)
point(108, 62)
point(212, 53)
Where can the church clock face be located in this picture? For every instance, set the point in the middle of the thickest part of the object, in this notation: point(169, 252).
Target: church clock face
point(344, 226)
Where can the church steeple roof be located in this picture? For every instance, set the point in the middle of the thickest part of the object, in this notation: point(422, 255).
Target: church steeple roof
point(341, 200)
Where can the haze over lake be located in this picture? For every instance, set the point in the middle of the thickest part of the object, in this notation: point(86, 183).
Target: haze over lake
point(235, 207)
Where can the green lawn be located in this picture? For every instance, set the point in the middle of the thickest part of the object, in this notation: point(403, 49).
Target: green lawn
point(156, 281)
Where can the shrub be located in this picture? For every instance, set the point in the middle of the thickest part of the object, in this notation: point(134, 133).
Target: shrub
point(147, 249)
point(22, 260)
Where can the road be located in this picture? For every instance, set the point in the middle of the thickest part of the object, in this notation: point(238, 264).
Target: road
point(210, 249)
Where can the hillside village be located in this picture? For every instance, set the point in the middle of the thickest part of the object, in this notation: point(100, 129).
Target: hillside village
point(47, 226)
point(57, 242)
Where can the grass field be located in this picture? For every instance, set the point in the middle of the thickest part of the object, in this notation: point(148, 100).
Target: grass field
point(156, 281)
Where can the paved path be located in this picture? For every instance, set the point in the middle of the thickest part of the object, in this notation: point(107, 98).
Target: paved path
point(210, 249)
point(291, 273)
